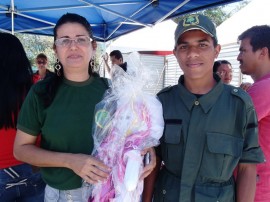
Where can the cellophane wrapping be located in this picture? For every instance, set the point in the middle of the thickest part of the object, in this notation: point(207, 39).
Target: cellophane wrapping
point(127, 121)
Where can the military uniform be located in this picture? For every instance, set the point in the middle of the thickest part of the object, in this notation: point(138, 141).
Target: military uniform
point(204, 139)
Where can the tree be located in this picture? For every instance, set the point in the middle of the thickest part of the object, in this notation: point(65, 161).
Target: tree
point(35, 44)
point(220, 13)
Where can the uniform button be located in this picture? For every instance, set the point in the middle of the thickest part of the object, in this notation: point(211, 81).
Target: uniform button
point(235, 90)
point(163, 191)
point(196, 102)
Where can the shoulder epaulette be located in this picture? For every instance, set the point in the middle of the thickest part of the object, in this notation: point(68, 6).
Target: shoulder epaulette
point(167, 89)
point(239, 92)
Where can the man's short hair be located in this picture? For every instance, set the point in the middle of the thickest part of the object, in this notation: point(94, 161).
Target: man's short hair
point(117, 54)
point(42, 56)
point(259, 37)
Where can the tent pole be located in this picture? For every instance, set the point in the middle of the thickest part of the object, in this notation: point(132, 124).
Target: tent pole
point(12, 16)
point(172, 11)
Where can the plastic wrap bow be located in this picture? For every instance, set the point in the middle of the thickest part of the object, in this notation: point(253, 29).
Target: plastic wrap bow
point(127, 121)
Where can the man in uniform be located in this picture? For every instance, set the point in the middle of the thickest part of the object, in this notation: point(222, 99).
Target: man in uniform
point(210, 128)
point(254, 58)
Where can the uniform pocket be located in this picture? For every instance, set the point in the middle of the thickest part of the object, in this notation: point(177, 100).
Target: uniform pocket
point(224, 152)
point(173, 148)
point(224, 144)
point(172, 131)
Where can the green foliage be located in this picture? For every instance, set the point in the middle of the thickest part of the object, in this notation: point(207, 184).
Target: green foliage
point(220, 13)
point(35, 44)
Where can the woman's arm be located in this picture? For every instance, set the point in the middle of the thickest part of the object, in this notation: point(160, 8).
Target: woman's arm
point(87, 167)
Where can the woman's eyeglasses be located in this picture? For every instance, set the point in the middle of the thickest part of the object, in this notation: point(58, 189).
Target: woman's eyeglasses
point(223, 73)
point(80, 41)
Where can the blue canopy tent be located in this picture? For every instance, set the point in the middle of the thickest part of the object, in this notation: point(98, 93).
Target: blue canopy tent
point(109, 18)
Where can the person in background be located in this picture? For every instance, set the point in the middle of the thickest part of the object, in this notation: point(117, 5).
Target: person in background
point(223, 68)
point(61, 109)
point(94, 45)
point(210, 128)
point(116, 58)
point(92, 61)
point(254, 59)
point(18, 182)
point(43, 72)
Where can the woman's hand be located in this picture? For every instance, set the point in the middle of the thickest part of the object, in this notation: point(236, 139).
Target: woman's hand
point(88, 168)
point(152, 164)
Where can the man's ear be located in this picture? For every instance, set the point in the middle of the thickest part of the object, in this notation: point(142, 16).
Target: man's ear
point(264, 52)
point(217, 50)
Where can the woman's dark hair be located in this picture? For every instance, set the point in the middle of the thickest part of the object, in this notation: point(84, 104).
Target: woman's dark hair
point(15, 79)
point(218, 63)
point(42, 56)
point(56, 80)
point(72, 18)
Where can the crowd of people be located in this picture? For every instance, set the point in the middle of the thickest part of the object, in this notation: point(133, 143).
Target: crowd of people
point(214, 146)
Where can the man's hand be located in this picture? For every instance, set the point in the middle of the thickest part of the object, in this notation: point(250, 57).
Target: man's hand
point(245, 86)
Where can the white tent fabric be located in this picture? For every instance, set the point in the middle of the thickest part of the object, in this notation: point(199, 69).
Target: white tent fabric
point(255, 13)
point(158, 38)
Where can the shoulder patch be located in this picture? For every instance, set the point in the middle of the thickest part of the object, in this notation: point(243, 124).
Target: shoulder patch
point(167, 89)
point(238, 91)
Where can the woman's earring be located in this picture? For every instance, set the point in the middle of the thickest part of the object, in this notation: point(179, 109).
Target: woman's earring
point(57, 67)
point(92, 63)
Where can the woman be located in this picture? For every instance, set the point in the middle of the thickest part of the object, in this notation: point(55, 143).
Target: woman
point(43, 72)
point(61, 109)
point(223, 68)
point(18, 182)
